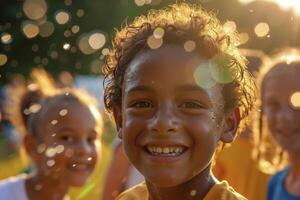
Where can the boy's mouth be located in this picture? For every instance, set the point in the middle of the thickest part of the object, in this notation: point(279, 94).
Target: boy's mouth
point(166, 151)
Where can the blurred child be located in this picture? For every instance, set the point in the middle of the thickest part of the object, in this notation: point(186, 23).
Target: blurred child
point(278, 125)
point(177, 87)
point(60, 128)
point(245, 178)
point(121, 174)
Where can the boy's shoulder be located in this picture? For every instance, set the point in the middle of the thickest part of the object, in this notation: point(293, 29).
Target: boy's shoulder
point(138, 192)
point(219, 191)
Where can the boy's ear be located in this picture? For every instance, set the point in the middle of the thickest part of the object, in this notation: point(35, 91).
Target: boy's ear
point(232, 122)
point(30, 145)
point(118, 119)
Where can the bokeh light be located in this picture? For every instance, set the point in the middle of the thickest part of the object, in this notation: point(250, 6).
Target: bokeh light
point(68, 2)
point(35, 9)
point(3, 59)
point(140, 2)
point(66, 46)
point(30, 29)
point(75, 29)
point(295, 99)
point(159, 33)
point(84, 45)
point(203, 76)
point(262, 29)
point(97, 40)
point(229, 27)
point(244, 38)
point(46, 29)
point(189, 46)
point(80, 13)
point(62, 17)
point(6, 38)
point(154, 43)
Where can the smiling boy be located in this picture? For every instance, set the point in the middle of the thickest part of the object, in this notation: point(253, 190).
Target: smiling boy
point(178, 88)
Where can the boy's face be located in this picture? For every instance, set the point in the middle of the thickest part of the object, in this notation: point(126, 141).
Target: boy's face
point(67, 149)
point(170, 126)
point(283, 117)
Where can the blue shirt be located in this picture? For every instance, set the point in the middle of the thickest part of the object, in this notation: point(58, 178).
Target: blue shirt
point(276, 187)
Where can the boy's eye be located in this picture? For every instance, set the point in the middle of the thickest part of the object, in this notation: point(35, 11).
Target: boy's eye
point(91, 139)
point(191, 105)
point(67, 138)
point(141, 104)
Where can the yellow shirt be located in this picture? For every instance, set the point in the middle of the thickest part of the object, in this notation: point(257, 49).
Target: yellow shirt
point(220, 191)
point(235, 165)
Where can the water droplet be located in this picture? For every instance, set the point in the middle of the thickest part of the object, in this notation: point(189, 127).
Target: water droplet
point(189, 46)
point(34, 108)
point(50, 152)
point(54, 122)
point(60, 148)
point(69, 153)
point(63, 112)
point(193, 193)
point(90, 159)
point(50, 163)
point(41, 148)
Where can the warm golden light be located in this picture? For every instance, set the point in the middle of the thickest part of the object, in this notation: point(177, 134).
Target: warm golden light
point(261, 29)
point(62, 17)
point(35, 9)
point(3, 59)
point(97, 40)
point(283, 4)
point(246, 1)
point(30, 29)
point(295, 99)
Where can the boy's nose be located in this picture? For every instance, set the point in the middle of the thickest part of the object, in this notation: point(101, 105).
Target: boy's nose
point(164, 120)
point(83, 148)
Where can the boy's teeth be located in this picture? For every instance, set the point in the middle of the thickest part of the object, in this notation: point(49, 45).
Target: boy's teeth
point(172, 151)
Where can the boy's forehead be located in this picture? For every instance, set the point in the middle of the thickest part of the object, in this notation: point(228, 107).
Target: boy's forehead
point(168, 59)
point(168, 69)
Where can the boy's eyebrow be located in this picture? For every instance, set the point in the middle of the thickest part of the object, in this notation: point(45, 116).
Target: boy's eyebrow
point(138, 88)
point(192, 88)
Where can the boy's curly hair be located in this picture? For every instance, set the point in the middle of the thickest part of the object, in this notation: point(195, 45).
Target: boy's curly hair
point(180, 22)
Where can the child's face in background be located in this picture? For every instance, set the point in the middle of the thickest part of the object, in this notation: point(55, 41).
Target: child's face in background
point(170, 126)
point(67, 148)
point(282, 116)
